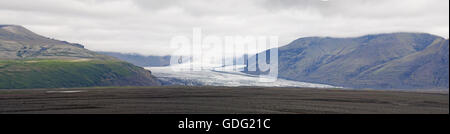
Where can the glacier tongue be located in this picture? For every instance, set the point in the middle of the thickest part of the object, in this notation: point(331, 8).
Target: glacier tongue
point(224, 77)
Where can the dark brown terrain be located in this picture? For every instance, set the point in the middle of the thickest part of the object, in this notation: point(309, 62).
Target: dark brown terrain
point(206, 100)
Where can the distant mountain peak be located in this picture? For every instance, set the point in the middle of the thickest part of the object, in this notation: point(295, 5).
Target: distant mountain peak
point(17, 29)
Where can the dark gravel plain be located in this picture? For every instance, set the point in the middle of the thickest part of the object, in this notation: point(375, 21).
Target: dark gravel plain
point(219, 100)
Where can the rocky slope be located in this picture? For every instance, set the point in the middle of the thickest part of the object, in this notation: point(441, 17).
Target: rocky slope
point(385, 61)
point(28, 60)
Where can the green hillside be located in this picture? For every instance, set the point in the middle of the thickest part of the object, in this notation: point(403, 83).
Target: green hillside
point(29, 60)
point(69, 73)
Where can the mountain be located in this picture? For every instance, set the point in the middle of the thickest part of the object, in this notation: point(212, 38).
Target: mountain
point(140, 60)
point(380, 61)
point(28, 60)
point(20, 43)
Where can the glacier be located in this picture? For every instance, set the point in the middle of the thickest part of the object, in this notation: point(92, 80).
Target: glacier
point(221, 76)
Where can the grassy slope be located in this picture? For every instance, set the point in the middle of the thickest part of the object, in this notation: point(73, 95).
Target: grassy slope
point(68, 73)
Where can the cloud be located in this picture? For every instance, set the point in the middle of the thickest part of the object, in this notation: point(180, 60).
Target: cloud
point(146, 26)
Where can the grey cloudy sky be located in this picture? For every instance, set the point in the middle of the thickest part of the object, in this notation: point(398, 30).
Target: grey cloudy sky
point(146, 26)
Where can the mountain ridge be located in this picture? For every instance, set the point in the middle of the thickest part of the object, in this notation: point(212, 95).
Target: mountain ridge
point(342, 61)
point(29, 60)
point(140, 60)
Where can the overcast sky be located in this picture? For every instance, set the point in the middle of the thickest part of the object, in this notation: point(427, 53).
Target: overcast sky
point(146, 26)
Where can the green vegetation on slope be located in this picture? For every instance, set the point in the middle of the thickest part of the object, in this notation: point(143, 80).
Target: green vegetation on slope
point(40, 73)
point(29, 60)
